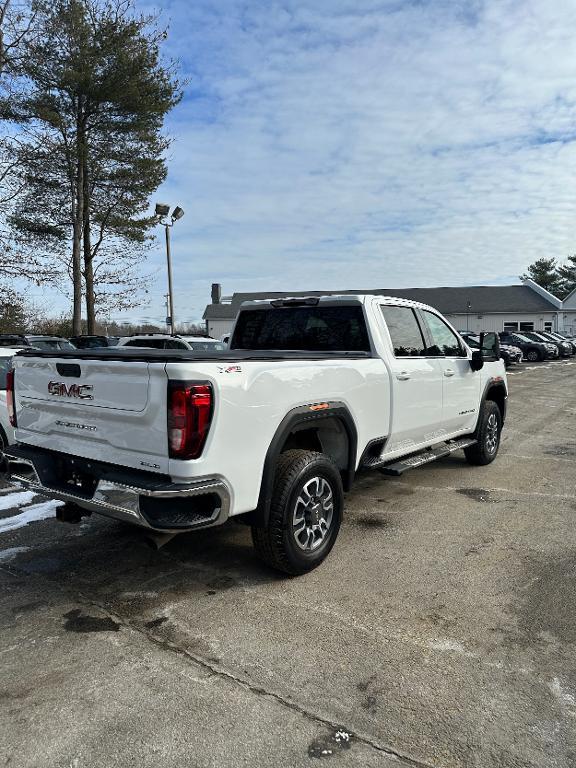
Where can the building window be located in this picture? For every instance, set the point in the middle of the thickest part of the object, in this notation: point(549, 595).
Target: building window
point(548, 326)
point(526, 326)
point(511, 326)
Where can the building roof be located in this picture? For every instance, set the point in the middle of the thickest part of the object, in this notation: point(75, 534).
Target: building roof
point(477, 299)
point(220, 312)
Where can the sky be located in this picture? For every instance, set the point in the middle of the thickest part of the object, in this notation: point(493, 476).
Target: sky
point(366, 144)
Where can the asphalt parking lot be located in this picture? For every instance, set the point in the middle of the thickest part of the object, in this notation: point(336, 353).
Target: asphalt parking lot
point(440, 632)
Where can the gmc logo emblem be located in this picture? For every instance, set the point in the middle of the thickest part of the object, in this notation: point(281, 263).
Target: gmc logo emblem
point(82, 391)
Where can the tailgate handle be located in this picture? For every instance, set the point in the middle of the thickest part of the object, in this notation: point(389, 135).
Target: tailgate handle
point(68, 369)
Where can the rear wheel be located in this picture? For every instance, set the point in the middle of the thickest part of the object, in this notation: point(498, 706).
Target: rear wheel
point(488, 436)
point(305, 513)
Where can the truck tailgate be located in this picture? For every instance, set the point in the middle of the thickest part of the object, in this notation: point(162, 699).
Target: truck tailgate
point(111, 410)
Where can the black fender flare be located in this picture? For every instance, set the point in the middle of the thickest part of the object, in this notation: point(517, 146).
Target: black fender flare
point(305, 414)
point(496, 383)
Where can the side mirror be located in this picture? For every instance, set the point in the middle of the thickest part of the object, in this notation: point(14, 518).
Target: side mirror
point(490, 346)
point(477, 360)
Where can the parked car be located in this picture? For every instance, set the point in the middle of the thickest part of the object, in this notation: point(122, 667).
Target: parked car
point(273, 429)
point(532, 351)
point(204, 344)
point(508, 353)
point(539, 336)
point(565, 347)
point(49, 342)
point(6, 429)
point(13, 340)
point(563, 337)
point(90, 342)
point(166, 341)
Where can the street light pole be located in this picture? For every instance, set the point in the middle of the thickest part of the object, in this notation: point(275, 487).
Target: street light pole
point(170, 292)
point(162, 211)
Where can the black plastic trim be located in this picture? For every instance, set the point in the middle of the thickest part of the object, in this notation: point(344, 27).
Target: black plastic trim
point(490, 385)
point(377, 443)
point(69, 370)
point(297, 416)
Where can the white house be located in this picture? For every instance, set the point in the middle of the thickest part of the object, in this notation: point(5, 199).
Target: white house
point(524, 307)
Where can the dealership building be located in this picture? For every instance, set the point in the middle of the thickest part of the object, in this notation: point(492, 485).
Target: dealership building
point(525, 307)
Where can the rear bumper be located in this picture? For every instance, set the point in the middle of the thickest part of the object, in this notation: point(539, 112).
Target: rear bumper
point(141, 498)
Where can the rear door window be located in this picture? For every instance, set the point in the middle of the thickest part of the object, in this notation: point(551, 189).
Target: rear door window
point(405, 332)
point(314, 329)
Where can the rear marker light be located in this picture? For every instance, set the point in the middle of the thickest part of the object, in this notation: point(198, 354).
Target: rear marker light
point(10, 402)
point(189, 417)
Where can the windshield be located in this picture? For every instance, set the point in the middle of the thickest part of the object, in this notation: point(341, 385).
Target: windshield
point(52, 344)
point(5, 365)
point(207, 346)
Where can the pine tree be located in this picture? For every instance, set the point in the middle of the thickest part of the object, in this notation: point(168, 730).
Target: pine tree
point(545, 273)
point(93, 96)
point(567, 274)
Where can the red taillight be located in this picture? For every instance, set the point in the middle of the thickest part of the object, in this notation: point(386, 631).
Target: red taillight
point(189, 416)
point(10, 402)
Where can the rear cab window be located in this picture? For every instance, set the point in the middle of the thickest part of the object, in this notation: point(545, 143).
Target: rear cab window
point(310, 329)
point(405, 332)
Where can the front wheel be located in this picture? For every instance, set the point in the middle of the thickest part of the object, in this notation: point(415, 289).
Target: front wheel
point(533, 356)
point(305, 513)
point(488, 436)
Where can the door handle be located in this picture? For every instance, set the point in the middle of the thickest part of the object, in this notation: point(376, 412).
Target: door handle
point(403, 376)
point(449, 372)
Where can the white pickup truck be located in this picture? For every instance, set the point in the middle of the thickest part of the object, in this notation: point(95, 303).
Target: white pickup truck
point(274, 429)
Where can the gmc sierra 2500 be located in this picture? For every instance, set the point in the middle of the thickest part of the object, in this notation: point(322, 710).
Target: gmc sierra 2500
point(274, 429)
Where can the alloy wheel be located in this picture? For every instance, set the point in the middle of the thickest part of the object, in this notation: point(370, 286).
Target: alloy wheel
point(492, 434)
point(313, 514)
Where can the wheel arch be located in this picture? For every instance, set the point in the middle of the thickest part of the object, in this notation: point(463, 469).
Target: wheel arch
point(495, 390)
point(325, 427)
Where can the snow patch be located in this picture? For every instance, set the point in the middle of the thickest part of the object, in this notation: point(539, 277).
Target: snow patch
point(30, 515)
point(342, 736)
point(138, 595)
point(449, 645)
point(7, 555)
point(565, 698)
point(16, 499)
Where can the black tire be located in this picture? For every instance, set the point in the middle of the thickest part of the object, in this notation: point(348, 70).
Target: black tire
point(282, 545)
point(534, 356)
point(488, 436)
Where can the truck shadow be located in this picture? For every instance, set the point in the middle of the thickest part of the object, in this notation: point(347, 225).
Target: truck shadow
point(109, 560)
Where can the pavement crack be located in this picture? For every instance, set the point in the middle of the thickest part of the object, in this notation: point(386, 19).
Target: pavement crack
point(258, 690)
